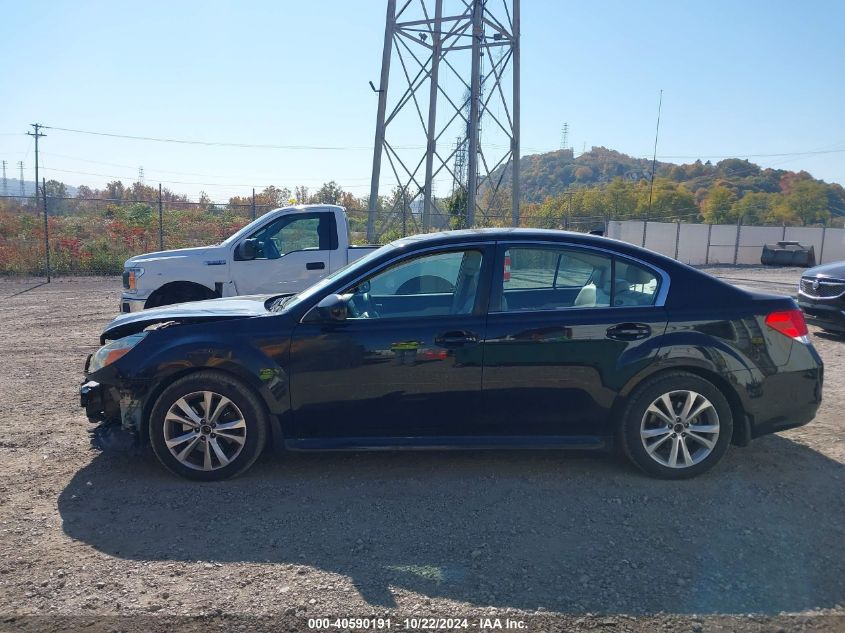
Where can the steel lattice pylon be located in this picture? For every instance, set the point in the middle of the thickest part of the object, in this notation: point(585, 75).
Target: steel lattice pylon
point(465, 55)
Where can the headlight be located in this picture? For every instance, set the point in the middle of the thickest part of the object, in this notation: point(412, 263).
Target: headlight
point(107, 354)
point(130, 277)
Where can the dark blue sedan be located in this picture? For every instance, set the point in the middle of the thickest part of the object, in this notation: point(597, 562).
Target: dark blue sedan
point(502, 338)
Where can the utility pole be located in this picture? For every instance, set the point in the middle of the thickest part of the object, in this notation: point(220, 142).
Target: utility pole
point(5, 182)
point(20, 182)
point(464, 58)
point(46, 225)
point(36, 135)
point(160, 220)
point(653, 168)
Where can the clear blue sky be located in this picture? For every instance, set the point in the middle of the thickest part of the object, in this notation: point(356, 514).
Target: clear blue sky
point(739, 78)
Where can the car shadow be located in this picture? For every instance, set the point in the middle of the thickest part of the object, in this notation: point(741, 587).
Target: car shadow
point(565, 532)
point(830, 336)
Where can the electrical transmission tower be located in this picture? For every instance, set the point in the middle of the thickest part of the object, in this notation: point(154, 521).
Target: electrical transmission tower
point(564, 136)
point(20, 164)
point(455, 61)
point(5, 182)
point(141, 174)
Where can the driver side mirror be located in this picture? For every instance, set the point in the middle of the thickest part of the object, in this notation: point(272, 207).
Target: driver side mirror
point(332, 308)
point(247, 249)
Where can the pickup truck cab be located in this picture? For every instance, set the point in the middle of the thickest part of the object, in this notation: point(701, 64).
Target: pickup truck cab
point(284, 251)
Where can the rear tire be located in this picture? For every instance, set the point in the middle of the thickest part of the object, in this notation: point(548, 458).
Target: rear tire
point(676, 426)
point(208, 426)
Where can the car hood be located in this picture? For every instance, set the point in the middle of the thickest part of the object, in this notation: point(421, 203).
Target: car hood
point(192, 312)
point(195, 253)
point(834, 270)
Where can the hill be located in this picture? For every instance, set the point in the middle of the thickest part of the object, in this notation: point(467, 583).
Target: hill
point(13, 188)
point(604, 182)
point(549, 174)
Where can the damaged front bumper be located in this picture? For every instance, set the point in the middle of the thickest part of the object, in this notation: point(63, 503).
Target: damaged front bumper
point(116, 412)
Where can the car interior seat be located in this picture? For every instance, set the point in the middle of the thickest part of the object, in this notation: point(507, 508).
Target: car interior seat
point(596, 292)
point(624, 294)
point(467, 283)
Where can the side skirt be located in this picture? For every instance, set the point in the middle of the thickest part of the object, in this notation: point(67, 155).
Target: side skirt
point(580, 442)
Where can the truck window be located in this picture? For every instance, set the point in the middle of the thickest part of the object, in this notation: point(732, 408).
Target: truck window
point(299, 232)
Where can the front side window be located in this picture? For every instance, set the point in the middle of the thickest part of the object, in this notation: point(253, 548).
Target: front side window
point(431, 285)
point(288, 234)
point(553, 278)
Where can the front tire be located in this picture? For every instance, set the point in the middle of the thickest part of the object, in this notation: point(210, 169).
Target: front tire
point(208, 426)
point(676, 426)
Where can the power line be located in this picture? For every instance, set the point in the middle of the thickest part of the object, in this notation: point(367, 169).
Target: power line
point(775, 155)
point(173, 182)
point(181, 173)
point(215, 143)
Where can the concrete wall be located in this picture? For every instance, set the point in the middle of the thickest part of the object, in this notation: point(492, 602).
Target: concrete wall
point(718, 243)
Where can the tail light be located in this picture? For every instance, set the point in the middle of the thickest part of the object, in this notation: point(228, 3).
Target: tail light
point(507, 272)
point(788, 322)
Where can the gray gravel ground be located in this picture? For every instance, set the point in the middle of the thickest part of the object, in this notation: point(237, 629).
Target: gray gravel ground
point(563, 541)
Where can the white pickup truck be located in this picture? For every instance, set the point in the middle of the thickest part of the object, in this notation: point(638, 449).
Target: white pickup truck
point(285, 250)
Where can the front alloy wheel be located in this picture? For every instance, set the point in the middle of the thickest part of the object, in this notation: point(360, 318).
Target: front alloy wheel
point(204, 430)
point(208, 426)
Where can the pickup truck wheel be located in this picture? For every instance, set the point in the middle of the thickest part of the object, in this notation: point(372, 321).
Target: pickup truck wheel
point(676, 425)
point(208, 426)
point(178, 292)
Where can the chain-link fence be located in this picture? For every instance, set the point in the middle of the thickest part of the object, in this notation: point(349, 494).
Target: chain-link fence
point(95, 236)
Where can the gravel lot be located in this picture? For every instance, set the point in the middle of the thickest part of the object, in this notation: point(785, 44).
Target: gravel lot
point(583, 540)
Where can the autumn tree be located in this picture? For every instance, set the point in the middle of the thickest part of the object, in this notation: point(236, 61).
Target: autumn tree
point(668, 200)
point(808, 202)
point(300, 194)
point(329, 193)
point(583, 174)
point(620, 199)
point(718, 206)
point(755, 207)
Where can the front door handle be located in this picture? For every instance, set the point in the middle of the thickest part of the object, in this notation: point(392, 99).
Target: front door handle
point(315, 266)
point(629, 332)
point(455, 339)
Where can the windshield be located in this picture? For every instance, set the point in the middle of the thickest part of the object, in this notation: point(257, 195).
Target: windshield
point(358, 264)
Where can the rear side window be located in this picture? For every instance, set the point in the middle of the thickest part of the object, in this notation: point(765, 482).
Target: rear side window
point(553, 278)
point(634, 285)
point(550, 278)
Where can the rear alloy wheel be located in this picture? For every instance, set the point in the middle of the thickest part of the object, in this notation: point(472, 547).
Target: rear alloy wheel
point(680, 429)
point(677, 426)
point(207, 426)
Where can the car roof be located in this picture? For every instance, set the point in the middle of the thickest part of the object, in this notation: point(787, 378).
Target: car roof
point(496, 234)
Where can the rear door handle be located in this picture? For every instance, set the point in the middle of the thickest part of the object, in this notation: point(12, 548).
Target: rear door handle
point(455, 339)
point(629, 332)
point(315, 265)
